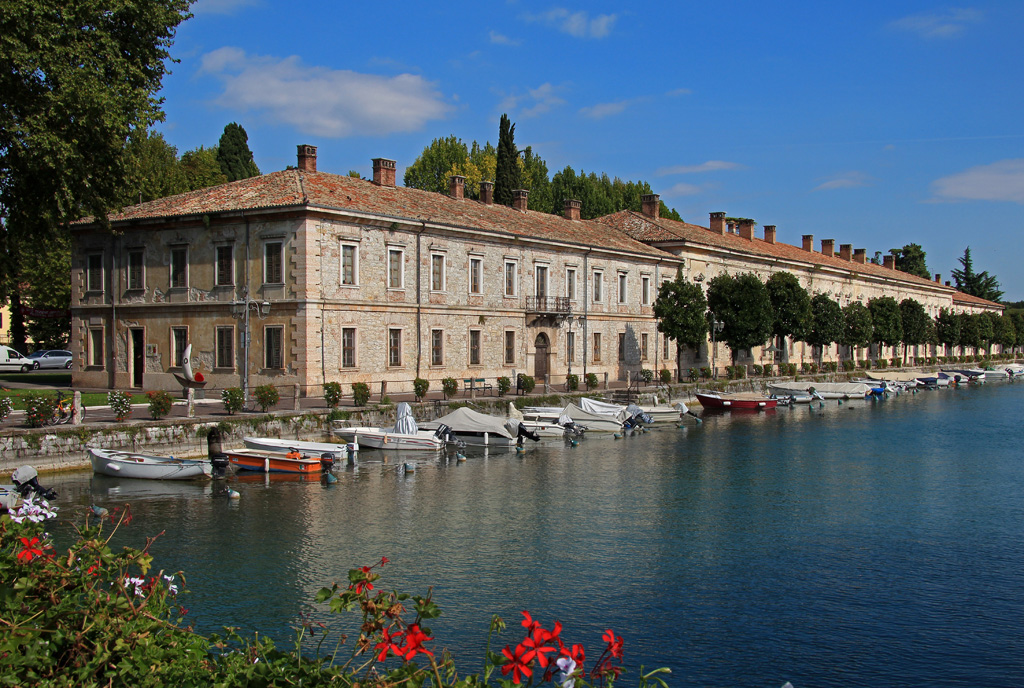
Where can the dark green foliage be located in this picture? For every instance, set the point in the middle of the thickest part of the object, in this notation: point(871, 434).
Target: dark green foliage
point(915, 323)
point(971, 330)
point(420, 387)
point(827, 321)
point(528, 383)
point(947, 327)
point(791, 305)
point(1005, 334)
point(45, 286)
point(680, 308)
point(201, 168)
point(591, 381)
point(857, 327)
point(572, 382)
point(160, 403)
point(332, 394)
point(534, 177)
point(449, 386)
point(979, 284)
point(886, 319)
point(437, 162)
point(234, 400)
point(910, 259)
point(360, 393)
point(39, 408)
point(233, 154)
point(742, 304)
point(266, 396)
point(506, 175)
point(504, 385)
point(153, 170)
point(665, 376)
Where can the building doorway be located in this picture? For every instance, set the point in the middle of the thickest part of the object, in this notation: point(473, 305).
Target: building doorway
point(540, 358)
point(138, 357)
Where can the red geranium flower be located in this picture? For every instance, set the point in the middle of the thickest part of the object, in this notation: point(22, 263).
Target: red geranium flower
point(31, 549)
point(414, 638)
point(614, 643)
point(518, 663)
point(388, 643)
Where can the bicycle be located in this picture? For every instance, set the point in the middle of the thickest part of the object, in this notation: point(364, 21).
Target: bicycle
point(64, 410)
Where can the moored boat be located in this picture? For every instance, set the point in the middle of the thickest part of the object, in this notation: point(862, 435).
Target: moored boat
point(314, 449)
point(124, 464)
point(278, 462)
point(747, 402)
point(469, 427)
point(405, 435)
point(827, 390)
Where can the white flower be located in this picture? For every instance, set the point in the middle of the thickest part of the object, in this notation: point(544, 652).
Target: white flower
point(138, 583)
point(31, 511)
point(567, 666)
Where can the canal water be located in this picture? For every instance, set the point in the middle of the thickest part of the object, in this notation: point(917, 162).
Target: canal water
point(861, 544)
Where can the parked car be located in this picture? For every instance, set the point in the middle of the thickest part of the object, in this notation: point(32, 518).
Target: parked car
point(50, 358)
point(12, 360)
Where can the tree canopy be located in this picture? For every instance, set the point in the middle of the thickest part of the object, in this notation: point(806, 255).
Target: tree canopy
point(826, 321)
point(506, 174)
point(947, 327)
point(1005, 333)
point(233, 154)
point(680, 308)
point(153, 169)
point(857, 326)
point(910, 259)
point(791, 306)
point(201, 168)
point(741, 303)
point(888, 324)
point(914, 320)
point(979, 284)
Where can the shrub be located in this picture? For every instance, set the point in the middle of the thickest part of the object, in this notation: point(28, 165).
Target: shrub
point(39, 408)
point(665, 375)
point(360, 393)
point(6, 406)
point(504, 385)
point(693, 374)
point(572, 381)
point(332, 394)
point(895, 362)
point(831, 366)
point(120, 404)
point(234, 400)
point(757, 369)
point(266, 396)
point(420, 387)
point(449, 387)
point(647, 375)
point(881, 364)
point(849, 365)
point(591, 381)
point(705, 372)
point(159, 403)
point(528, 383)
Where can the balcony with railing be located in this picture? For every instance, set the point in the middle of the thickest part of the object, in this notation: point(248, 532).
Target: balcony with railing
point(548, 305)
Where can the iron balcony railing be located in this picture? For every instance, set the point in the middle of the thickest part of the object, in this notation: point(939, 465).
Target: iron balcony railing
point(548, 304)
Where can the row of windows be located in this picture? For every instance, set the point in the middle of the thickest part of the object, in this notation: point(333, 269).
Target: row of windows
point(273, 272)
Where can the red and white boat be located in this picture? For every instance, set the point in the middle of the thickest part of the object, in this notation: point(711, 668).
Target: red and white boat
point(748, 402)
point(278, 462)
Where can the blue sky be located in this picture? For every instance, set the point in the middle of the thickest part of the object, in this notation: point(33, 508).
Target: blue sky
point(871, 123)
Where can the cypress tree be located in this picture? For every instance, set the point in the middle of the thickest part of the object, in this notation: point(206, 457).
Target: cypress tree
point(234, 155)
point(506, 176)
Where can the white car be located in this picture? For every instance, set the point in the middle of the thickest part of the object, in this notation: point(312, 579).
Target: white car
point(51, 358)
point(11, 360)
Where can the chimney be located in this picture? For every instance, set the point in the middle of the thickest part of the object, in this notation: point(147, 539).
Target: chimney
point(383, 172)
point(809, 243)
point(650, 205)
point(938, 278)
point(519, 199)
point(828, 247)
point(572, 208)
point(889, 261)
point(307, 158)
point(747, 229)
point(860, 255)
point(769, 234)
point(731, 228)
point(948, 284)
point(717, 223)
point(487, 193)
point(457, 186)
point(846, 251)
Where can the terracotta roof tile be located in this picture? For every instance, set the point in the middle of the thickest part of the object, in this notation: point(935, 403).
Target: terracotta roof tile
point(968, 299)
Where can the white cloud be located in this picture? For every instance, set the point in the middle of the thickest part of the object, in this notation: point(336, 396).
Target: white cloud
point(602, 110)
point(1000, 181)
point(679, 92)
point(682, 189)
point(578, 24)
point(323, 101)
point(709, 166)
point(500, 39)
point(222, 6)
point(535, 101)
point(945, 24)
point(846, 180)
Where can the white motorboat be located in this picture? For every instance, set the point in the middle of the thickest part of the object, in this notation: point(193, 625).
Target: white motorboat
point(273, 444)
point(827, 390)
point(543, 425)
point(404, 436)
point(124, 464)
point(469, 427)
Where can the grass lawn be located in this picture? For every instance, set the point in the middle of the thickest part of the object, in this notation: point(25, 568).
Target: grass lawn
point(88, 399)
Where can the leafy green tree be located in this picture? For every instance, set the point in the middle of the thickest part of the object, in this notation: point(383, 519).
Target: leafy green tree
point(153, 169)
point(45, 291)
point(506, 175)
point(947, 328)
point(979, 284)
point(911, 258)
point(233, 154)
point(1018, 325)
point(857, 327)
point(201, 168)
point(741, 303)
point(1005, 334)
point(826, 323)
point(680, 308)
point(791, 306)
point(971, 333)
point(438, 161)
point(888, 324)
point(914, 320)
point(986, 328)
point(533, 175)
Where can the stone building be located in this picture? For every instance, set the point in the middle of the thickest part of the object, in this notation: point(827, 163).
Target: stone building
point(305, 277)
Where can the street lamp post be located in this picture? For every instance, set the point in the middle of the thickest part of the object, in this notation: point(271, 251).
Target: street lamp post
point(716, 327)
point(240, 311)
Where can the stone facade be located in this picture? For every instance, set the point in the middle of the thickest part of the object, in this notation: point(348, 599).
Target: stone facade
point(350, 280)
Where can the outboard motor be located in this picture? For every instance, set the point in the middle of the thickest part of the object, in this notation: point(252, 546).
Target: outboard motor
point(444, 432)
point(326, 462)
point(219, 464)
point(523, 431)
point(25, 480)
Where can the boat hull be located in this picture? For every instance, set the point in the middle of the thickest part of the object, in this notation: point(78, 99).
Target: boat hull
point(378, 438)
point(272, 444)
point(715, 401)
point(146, 466)
point(265, 462)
